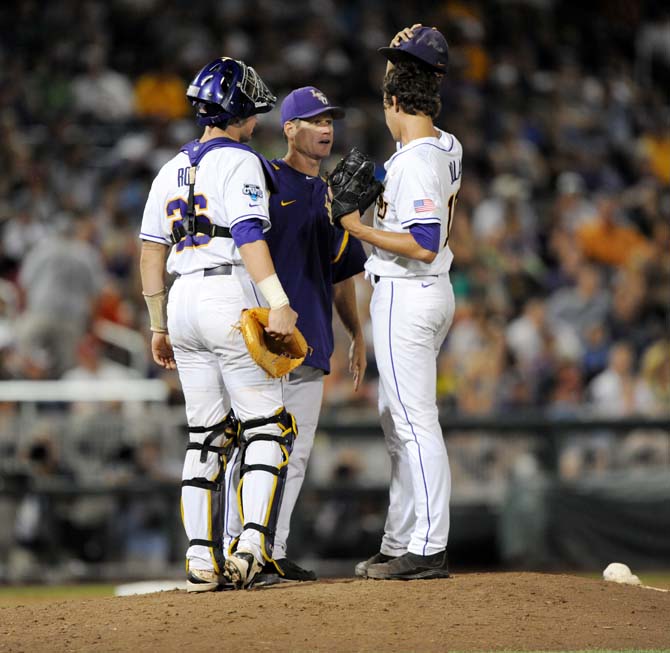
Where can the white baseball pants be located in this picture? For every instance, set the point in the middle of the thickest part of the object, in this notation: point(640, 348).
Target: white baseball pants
point(410, 320)
point(216, 371)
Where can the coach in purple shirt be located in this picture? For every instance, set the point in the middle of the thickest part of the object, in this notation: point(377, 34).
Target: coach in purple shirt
point(315, 263)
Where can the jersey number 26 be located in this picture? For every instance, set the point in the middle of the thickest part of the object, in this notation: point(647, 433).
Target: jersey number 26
point(176, 211)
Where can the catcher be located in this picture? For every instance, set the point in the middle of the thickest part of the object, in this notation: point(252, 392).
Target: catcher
point(205, 217)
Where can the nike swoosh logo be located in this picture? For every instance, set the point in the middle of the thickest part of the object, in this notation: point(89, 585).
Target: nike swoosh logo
point(283, 203)
point(427, 285)
point(253, 205)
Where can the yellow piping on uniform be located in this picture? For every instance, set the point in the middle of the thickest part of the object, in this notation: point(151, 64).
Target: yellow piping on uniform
point(181, 512)
point(284, 462)
point(266, 521)
point(343, 246)
point(240, 510)
point(233, 545)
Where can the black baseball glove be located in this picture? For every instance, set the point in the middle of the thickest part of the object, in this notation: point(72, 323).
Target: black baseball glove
point(353, 185)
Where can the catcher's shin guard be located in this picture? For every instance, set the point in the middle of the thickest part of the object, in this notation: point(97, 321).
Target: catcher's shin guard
point(203, 494)
point(255, 458)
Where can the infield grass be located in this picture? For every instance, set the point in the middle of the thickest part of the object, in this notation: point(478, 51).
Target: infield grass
point(24, 594)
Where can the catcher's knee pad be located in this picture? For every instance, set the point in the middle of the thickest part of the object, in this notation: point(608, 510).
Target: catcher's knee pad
point(203, 493)
point(252, 433)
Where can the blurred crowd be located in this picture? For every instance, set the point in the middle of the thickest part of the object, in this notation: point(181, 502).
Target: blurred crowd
point(561, 233)
point(70, 512)
point(562, 229)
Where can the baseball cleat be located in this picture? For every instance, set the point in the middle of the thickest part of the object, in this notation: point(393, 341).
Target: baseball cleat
point(204, 580)
point(283, 570)
point(361, 568)
point(241, 569)
point(412, 567)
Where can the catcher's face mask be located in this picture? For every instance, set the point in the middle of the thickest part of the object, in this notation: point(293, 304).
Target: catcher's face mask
point(256, 90)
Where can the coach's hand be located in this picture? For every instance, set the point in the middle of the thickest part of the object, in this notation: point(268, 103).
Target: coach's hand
point(161, 350)
point(357, 360)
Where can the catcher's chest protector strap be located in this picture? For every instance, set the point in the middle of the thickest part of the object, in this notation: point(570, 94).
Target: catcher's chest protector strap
point(195, 150)
point(200, 226)
point(192, 224)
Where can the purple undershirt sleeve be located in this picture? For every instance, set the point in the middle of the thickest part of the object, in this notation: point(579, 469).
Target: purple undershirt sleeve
point(247, 231)
point(427, 235)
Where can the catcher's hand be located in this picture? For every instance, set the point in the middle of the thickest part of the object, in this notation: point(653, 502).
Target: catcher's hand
point(162, 352)
point(277, 356)
point(353, 185)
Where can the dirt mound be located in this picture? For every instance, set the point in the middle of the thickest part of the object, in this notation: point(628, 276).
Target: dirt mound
point(469, 612)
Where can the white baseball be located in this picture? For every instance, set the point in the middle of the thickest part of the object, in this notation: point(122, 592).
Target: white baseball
point(617, 572)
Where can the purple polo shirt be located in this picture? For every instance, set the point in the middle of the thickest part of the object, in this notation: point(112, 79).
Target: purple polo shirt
point(310, 255)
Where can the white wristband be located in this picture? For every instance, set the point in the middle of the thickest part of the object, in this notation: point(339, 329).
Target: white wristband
point(273, 292)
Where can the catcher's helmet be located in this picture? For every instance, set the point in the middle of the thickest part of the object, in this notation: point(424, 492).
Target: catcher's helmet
point(227, 88)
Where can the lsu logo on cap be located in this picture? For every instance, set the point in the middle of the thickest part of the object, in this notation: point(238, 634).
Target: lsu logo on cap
point(432, 40)
point(253, 191)
point(320, 96)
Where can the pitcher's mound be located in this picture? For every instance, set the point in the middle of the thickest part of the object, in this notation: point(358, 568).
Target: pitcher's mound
point(469, 612)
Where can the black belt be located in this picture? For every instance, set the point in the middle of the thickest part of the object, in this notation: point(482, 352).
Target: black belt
point(376, 277)
point(226, 269)
point(221, 270)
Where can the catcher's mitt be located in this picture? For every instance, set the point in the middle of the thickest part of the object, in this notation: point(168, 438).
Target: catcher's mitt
point(353, 185)
point(275, 356)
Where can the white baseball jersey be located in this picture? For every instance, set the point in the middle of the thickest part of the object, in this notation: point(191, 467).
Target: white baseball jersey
point(422, 180)
point(230, 185)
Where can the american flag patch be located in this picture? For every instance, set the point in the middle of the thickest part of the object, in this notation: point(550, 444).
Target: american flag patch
point(423, 206)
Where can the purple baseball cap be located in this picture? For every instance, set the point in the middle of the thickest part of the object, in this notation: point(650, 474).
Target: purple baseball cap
point(307, 102)
point(427, 45)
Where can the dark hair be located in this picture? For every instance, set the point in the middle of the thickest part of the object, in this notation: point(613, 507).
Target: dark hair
point(211, 110)
point(417, 89)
